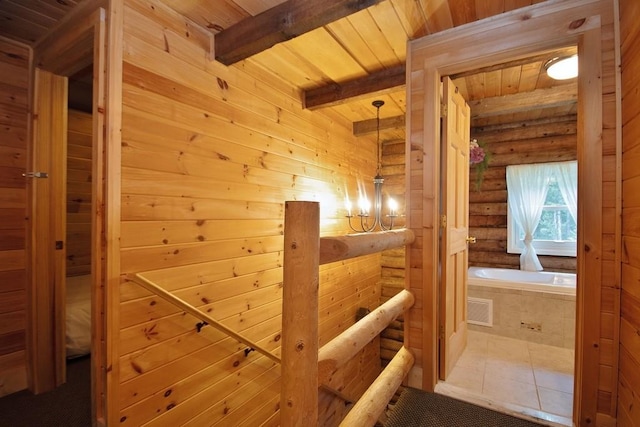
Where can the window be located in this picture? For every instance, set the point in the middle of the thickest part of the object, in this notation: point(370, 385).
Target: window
point(556, 230)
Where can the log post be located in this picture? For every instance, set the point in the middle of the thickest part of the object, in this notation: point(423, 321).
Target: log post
point(299, 393)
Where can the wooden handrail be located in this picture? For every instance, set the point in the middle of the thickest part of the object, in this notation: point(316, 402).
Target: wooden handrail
point(188, 308)
point(342, 348)
point(367, 410)
point(354, 245)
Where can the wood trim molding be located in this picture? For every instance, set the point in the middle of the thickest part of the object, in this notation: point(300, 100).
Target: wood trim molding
point(110, 120)
point(68, 47)
point(589, 246)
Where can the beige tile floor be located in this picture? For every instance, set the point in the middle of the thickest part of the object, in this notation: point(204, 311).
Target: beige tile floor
point(519, 374)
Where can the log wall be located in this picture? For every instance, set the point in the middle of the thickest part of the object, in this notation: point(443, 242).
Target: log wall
point(540, 141)
point(629, 371)
point(14, 84)
point(78, 242)
point(393, 261)
point(209, 156)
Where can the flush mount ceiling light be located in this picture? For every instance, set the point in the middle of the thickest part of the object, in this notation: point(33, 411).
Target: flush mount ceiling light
point(562, 68)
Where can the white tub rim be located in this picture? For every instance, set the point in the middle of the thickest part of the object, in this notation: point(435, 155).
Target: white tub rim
point(565, 282)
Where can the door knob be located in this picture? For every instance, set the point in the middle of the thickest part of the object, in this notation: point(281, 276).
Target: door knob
point(471, 239)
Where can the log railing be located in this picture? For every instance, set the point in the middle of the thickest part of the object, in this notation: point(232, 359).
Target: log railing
point(305, 367)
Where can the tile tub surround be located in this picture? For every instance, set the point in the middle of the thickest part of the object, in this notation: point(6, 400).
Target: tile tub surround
point(539, 317)
point(519, 377)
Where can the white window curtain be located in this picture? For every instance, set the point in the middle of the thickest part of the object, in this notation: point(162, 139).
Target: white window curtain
point(567, 178)
point(528, 185)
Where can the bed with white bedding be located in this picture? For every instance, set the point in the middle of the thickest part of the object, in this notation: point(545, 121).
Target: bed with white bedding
point(78, 316)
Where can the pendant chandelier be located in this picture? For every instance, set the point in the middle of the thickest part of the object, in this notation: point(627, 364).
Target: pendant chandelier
point(366, 225)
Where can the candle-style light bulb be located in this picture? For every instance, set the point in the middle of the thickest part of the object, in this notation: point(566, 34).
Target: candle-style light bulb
point(364, 206)
point(393, 207)
point(347, 205)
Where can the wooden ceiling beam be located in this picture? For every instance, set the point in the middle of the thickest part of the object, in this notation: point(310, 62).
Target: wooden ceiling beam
point(525, 101)
point(379, 82)
point(544, 57)
point(390, 79)
point(366, 127)
point(280, 23)
point(507, 104)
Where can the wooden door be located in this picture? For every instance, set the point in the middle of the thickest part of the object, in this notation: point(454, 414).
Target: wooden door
point(48, 231)
point(454, 227)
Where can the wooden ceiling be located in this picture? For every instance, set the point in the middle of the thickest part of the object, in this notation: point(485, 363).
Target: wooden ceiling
point(344, 54)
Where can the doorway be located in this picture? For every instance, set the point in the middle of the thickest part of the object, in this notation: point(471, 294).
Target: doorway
point(434, 56)
point(77, 45)
point(514, 330)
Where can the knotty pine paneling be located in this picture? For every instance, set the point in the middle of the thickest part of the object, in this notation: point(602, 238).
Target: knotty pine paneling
point(628, 379)
point(14, 89)
point(78, 242)
point(209, 156)
point(543, 140)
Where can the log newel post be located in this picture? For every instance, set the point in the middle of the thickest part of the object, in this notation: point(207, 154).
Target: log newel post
point(299, 393)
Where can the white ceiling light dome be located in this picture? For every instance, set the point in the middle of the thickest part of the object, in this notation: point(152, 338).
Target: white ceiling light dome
point(562, 68)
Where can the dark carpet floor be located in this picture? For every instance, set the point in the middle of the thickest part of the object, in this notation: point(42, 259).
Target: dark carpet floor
point(67, 406)
point(70, 406)
point(416, 408)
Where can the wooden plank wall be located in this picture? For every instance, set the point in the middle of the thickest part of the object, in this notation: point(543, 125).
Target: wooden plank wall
point(78, 241)
point(209, 156)
point(610, 286)
point(543, 140)
point(629, 368)
point(14, 83)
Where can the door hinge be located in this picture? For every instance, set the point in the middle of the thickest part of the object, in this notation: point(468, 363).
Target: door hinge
point(36, 175)
point(444, 110)
point(441, 332)
point(443, 221)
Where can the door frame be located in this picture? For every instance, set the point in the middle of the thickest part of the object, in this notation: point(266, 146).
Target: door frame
point(79, 39)
point(518, 34)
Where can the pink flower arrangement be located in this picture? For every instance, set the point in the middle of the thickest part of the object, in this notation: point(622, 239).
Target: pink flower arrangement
point(476, 153)
point(479, 158)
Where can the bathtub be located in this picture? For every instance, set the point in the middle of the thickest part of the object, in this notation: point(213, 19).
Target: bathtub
point(531, 306)
point(540, 281)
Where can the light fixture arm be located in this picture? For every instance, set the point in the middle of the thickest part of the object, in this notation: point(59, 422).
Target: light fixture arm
point(378, 181)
